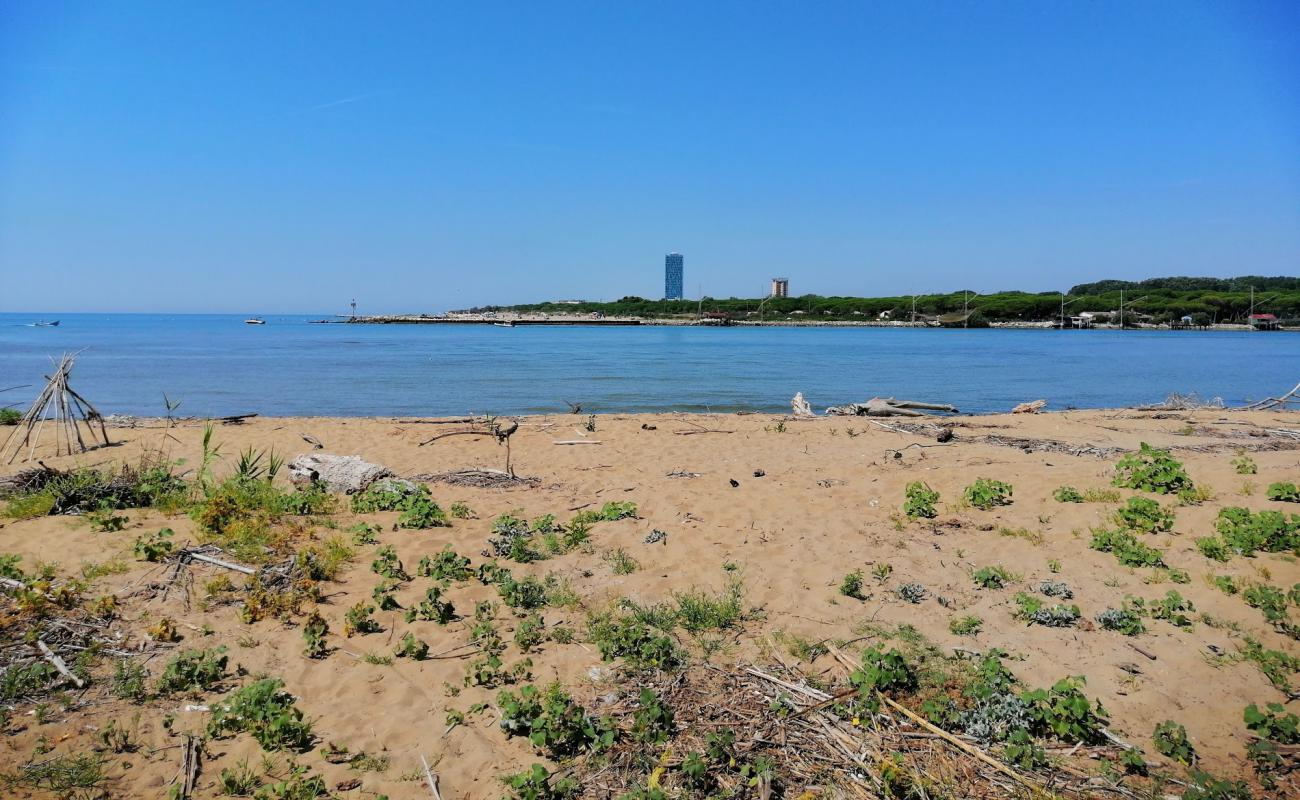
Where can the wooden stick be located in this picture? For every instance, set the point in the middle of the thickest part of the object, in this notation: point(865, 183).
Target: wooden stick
point(1141, 650)
point(54, 659)
point(577, 441)
point(429, 776)
point(218, 562)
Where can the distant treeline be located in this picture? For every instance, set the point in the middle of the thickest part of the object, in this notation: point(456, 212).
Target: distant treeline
point(1207, 300)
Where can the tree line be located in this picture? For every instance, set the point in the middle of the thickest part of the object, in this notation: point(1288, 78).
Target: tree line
point(1159, 300)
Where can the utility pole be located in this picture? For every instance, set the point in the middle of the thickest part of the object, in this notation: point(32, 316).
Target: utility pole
point(1121, 309)
point(354, 308)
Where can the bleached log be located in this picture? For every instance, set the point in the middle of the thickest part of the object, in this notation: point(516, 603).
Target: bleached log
point(349, 474)
point(58, 663)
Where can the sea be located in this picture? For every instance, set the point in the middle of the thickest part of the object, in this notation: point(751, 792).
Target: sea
point(215, 365)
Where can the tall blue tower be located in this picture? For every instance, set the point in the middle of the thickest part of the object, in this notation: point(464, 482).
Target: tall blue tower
point(673, 276)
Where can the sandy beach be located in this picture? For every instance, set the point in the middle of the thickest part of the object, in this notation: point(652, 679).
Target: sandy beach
point(784, 507)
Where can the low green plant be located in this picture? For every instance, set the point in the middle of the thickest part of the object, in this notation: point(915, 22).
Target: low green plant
point(1275, 665)
point(193, 672)
point(64, 776)
point(1283, 492)
point(1170, 740)
point(968, 625)
point(652, 722)
point(432, 608)
point(1123, 620)
point(412, 648)
point(621, 562)
point(447, 565)
point(129, 681)
point(992, 577)
point(554, 723)
point(364, 533)
point(529, 633)
point(698, 611)
point(1170, 608)
point(314, 630)
point(1245, 533)
point(986, 493)
point(154, 546)
point(1151, 470)
point(106, 520)
point(357, 619)
point(1273, 723)
point(1144, 515)
point(881, 572)
point(1034, 611)
point(610, 512)
point(1065, 712)
point(539, 784)
point(421, 513)
point(387, 565)
point(1126, 548)
point(239, 781)
point(265, 711)
point(919, 501)
point(523, 595)
point(1244, 465)
point(1023, 752)
point(1270, 600)
point(911, 593)
point(459, 510)
point(1213, 547)
point(851, 585)
point(634, 641)
point(1067, 494)
point(10, 416)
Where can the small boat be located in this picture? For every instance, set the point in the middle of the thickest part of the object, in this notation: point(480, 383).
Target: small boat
point(44, 324)
point(254, 321)
point(504, 324)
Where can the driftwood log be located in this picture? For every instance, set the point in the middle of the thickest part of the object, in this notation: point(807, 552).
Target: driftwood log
point(800, 406)
point(889, 407)
point(348, 474)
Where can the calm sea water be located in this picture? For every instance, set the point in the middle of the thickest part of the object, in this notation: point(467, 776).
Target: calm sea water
point(216, 365)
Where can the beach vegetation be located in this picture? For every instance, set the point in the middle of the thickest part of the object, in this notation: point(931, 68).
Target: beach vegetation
point(851, 585)
point(81, 775)
point(1033, 537)
point(993, 577)
point(154, 546)
point(193, 672)
point(447, 565)
point(1058, 589)
point(459, 510)
point(1241, 532)
point(1151, 470)
point(314, 630)
point(538, 783)
point(968, 625)
point(621, 562)
point(1171, 741)
point(387, 565)
point(1034, 611)
point(10, 416)
point(1144, 515)
point(919, 501)
point(433, 608)
point(357, 620)
point(986, 493)
point(1283, 492)
point(1126, 548)
point(609, 512)
point(554, 723)
point(1275, 665)
point(1243, 464)
point(911, 592)
point(412, 647)
point(1067, 494)
point(882, 572)
point(267, 712)
point(1123, 620)
point(634, 641)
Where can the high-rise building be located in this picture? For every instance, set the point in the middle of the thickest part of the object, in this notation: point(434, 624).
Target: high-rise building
point(673, 276)
point(780, 287)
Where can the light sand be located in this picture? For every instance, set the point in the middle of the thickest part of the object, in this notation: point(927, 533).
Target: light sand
point(828, 503)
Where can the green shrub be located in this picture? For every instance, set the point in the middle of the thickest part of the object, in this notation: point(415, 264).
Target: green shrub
point(314, 629)
point(193, 671)
point(447, 565)
point(966, 626)
point(554, 724)
point(1066, 713)
point(1244, 465)
point(1171, 740)
point(1035, 612)
point(919, 500)
point(698, 611)
point(1213, 547)
point(986, 493)
point(1245, 533)
point(265, 712)
point(1126, 548)
point(422, 513)
point(1023, 752)
point(634, 641)
point(1273, 723)
point(432, 608)
point(1270, 600)
point(412, 648)
point(1285, 492)
point(1144, 515)
point(539, 784)
point(1151, 470)
point(154, 546)
point(357, 620)
point(525, 594)
point(10, 416)
point(851, 585)
point(610, 512)
point(1275, 665)
point(1067, 494)
point(387, 565)
point(884, 672)
point(621, 562)
point(385, 495)
point(992, 577)
point(1171, 608)
point(652, 722)
point(1122, 620)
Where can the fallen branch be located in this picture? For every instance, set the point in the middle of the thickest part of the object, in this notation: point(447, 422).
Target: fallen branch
point(58, 663)
point(218, 562)
point(577, 441)
point(431, 778)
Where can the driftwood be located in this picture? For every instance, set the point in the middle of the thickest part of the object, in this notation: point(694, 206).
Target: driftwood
point(58, 663)
point(889, 407)
point(800, 406)
point(348, 474)
point(234, 419)
point(1274, 402)
point(70, 412)
point(1029, 408)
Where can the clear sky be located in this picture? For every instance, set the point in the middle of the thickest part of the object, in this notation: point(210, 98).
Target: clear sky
point(263, 157)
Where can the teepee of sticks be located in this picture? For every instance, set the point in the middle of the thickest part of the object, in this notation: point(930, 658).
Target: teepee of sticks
point(60, 404)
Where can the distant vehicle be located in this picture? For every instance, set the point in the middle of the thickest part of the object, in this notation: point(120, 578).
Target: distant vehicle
point(254, 321)
point(504, 324)
point(44, 324)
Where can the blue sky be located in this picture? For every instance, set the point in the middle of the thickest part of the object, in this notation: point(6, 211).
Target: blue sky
point(264, 157)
